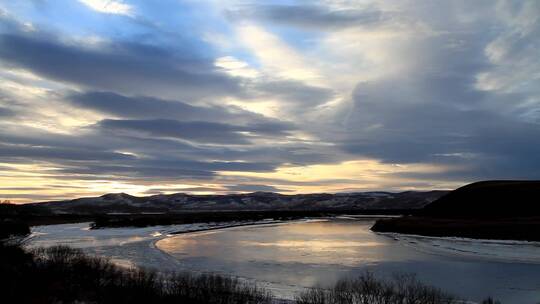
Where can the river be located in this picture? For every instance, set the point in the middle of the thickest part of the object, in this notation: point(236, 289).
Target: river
point(288, 257)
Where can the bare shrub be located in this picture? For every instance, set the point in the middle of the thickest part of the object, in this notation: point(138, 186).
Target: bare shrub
point(60, 274)
point(490, 300)
point(366, 289)
point(216, 289)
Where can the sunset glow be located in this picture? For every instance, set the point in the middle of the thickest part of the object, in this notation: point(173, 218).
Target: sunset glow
point(209, 97)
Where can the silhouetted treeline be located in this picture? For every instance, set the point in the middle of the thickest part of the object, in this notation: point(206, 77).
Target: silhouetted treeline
point(36, 214)
point(144, 220)
point(21, 211)
point(10, 227)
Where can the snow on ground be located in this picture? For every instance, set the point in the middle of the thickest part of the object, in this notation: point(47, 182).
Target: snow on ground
point(499, 250)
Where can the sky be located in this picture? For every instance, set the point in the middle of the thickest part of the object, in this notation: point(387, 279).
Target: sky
point(207, 96)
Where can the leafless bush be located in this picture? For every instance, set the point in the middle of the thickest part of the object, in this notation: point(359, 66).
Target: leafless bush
point(216, 289)
point(490, 300)
point(60, 274)
point(366, 289)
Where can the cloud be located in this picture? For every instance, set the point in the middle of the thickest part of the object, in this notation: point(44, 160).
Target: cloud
point(293, 92)
point(315, 17)
point(439, 120)
point(157, 191)
point(142, 107)
point(303, 97)
point(33, 152)
point(6, 112)
point(109, 7)
point(198, 131)
point(254, 188)
point(275, 56)
point(128, 67)
point(511, 54)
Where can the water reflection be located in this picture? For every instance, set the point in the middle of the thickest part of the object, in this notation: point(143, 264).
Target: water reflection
point(80, 236)
point(313, 243)
point(289, 257)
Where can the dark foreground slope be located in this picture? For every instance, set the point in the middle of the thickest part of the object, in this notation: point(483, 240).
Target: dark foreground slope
point(488, 209)
point(64, 275)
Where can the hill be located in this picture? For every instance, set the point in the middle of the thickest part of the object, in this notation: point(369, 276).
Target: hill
point(488, 198)
point(257, 201)
point(488, 209)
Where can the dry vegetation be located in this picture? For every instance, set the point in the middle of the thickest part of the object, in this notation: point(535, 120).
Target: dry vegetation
point(366, 289)
point(64, 275)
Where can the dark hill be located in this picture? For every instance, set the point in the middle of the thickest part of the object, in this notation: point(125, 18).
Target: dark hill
point(488, 198)
point(487, 210)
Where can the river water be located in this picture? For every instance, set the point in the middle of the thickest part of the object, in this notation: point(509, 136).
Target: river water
point(287, 258)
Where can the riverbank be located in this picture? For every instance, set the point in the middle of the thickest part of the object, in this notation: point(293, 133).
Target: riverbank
point(60, 274)
point(127, 246)
point(497, 228)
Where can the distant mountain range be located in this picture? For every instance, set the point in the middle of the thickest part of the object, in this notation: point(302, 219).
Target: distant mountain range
point(179, 202)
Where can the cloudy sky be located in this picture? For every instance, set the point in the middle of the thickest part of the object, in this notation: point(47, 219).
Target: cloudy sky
point(208, 96)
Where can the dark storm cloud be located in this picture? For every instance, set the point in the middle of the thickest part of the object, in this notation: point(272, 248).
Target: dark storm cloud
point(293, 92)
point(198, 131)
point(172, 162)
point(308, 16)
point(158, 168)
point(35, 153)
point(162, 101)
point(142, 107)
point(435, 112)
point(487, 143)
point(147, 107)
point(164, 149)
point(95, 156)
point(5, 112)
point(95, 140)
point(135, 170)
point(127, 67)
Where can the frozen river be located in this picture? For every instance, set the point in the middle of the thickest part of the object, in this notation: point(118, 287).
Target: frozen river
point(287, 257)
